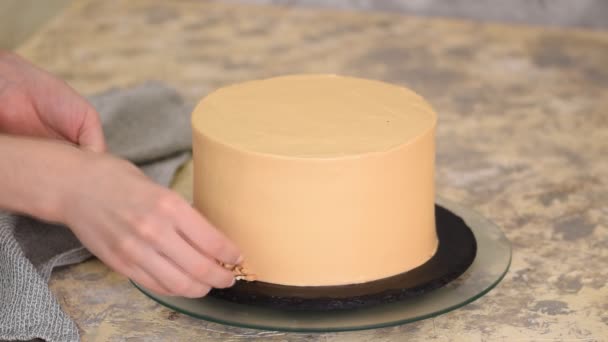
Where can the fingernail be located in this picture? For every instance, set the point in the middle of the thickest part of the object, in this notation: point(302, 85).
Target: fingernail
point(240, 260)
point(233, 282)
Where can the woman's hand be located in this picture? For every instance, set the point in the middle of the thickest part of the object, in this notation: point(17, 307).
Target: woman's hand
point(35, 103)
point(144, 231)
point(138, 228)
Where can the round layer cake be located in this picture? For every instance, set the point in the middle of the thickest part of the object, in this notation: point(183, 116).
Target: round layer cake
point(321, 180)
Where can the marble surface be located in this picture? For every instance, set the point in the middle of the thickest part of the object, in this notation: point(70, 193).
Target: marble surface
point(579, 13)
point(522, 139)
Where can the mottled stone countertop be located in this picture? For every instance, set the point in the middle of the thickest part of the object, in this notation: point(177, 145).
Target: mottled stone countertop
point(523, 139)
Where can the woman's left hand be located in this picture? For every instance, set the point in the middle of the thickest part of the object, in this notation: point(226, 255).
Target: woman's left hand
point(35, 103)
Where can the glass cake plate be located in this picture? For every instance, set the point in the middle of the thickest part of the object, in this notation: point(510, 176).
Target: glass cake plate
point(488, 269)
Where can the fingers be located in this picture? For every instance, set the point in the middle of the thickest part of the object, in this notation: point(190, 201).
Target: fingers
point(146, 232)
point(169, 276)
point(205, 237)
point(133, 272)
point(142, 278)
point(195, 264)
point(159, 246)
point(160, 273)
point(158, 250)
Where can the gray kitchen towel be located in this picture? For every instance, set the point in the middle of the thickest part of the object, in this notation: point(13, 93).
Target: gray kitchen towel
point(148, 124)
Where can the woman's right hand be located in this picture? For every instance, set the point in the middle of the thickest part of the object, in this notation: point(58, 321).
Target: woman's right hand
point(144, 231)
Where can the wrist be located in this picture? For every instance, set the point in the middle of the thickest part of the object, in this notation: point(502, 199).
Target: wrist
point(64, 187)
point(37, 176)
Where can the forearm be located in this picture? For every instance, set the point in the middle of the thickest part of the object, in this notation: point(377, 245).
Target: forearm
point(35, 175)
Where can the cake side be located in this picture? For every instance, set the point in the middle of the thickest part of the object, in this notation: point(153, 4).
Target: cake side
point(323, 219)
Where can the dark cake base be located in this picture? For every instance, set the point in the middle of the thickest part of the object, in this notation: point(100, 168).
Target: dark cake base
point(456, 252)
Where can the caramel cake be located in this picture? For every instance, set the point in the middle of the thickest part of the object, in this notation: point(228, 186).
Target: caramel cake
point(321, 180)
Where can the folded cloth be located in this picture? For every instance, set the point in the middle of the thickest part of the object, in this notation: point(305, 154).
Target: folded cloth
point(147, 124)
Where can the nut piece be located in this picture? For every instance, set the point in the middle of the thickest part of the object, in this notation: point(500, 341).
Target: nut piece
point(239, 272)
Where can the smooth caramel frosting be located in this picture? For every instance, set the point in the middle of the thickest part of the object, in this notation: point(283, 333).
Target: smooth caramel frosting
point(320, 179)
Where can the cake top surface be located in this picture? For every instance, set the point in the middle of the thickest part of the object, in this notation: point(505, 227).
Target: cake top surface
point(313, 116)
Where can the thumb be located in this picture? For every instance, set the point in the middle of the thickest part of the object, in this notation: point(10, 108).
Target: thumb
point(90, 134)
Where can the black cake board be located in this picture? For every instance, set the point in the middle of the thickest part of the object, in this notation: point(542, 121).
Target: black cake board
point(456, 252)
